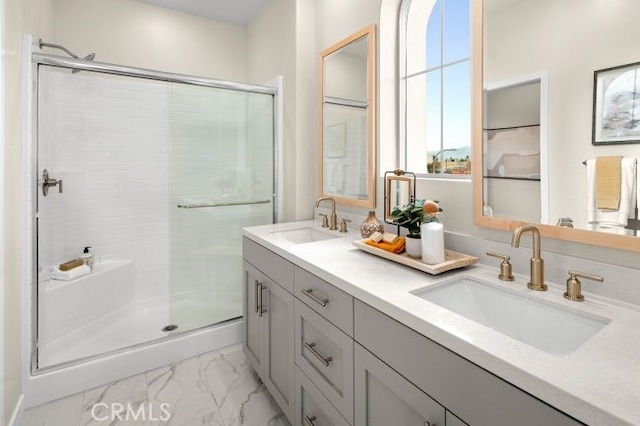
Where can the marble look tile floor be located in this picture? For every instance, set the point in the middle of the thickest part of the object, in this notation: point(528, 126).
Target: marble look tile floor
point(214, 389)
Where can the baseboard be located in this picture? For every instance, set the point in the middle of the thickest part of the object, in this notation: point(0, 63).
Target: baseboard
point(18, 413)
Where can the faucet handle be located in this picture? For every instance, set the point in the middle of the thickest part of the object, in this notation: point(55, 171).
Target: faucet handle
point(506, 273)
point(343, 225)
point(574, 287)
point(325, 220)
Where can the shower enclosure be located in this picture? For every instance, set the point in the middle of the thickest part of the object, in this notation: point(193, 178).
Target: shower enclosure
point(156, 173)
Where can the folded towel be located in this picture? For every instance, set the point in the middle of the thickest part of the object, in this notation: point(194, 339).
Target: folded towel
point(397, 247)
point(608, 176)
point(628, 195)
point(71, 274)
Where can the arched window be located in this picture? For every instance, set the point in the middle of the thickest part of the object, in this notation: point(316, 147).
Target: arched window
point(435, 87)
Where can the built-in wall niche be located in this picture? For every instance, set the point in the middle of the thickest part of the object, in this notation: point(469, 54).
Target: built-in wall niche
point(514, 149)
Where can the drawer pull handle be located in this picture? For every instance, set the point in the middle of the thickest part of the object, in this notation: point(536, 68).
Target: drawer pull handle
point(258, 285)
point(310, 420)
point(312, 349)
point(319, 301)
point(259, 297)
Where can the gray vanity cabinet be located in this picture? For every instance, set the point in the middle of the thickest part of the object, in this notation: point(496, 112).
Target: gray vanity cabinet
point(330, 359)
point(268, 310)
point(468, 391)
point(383, 397)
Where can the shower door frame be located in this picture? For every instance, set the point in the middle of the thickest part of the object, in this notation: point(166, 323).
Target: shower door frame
point(38, 59)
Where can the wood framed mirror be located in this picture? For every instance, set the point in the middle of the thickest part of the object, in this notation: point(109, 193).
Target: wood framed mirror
point(347, 127)
point(517, 39)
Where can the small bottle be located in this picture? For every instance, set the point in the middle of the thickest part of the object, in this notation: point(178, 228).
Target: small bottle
point(487, 210)
point(87, 257)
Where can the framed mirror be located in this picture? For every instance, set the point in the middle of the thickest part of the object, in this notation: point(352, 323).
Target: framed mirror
point(548, 57)
point(347, 120)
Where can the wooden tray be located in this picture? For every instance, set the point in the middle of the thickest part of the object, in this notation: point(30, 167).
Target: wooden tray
point(453, 260)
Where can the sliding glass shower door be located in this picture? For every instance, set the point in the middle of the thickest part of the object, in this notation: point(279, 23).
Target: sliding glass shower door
point(158, 179)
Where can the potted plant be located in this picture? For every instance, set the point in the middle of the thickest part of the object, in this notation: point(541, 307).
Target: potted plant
point(411, 216)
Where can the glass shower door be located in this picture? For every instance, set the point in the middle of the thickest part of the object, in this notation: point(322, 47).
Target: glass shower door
point(158, 179)
point(221, 179)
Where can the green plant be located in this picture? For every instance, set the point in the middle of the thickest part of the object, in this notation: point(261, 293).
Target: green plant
point(409, 216)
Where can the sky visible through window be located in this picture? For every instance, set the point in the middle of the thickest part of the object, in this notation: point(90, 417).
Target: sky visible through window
point(445, 82)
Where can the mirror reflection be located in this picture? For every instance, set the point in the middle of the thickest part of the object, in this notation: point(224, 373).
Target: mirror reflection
point(347, 120)
point(546, 55)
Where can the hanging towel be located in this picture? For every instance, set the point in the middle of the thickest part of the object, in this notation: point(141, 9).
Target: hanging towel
point(608, 176)
point(628, 196)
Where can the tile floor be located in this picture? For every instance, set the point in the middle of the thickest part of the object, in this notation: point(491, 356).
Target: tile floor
point(214, 389)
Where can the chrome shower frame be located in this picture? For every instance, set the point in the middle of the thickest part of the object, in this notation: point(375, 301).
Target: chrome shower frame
point(87, 64)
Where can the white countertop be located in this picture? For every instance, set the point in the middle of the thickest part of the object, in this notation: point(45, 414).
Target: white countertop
point(598, 384)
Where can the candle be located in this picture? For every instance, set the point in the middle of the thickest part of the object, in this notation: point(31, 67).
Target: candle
point(432, 242)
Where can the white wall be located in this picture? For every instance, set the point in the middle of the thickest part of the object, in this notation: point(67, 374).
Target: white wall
point(535, 35)
point(21, 16)
point(271, 51)
point(142, 35)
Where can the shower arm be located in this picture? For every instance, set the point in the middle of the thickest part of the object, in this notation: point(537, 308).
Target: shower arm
point(57, 46)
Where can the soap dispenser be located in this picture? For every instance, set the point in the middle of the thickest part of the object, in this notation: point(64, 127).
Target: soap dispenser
point(87, 257)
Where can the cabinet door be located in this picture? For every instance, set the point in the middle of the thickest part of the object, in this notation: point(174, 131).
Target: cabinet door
point(453, 420)
point(383, 397)
point(253, 344)
point(312, 408)
point(277, 304)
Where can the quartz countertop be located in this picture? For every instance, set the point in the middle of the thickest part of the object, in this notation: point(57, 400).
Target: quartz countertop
point(598, 383)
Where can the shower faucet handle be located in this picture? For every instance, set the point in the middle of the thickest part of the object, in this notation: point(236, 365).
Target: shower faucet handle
point(48, 182)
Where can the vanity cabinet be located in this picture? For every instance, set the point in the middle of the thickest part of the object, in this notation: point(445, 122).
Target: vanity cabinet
point(330, 359)
point(384, 397)
point(473, 394)
point(268, 309)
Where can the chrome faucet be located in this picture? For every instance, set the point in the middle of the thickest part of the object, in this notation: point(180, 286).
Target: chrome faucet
point(333, 219)
point(537, 264)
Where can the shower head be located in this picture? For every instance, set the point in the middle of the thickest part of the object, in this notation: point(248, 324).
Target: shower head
point(89, 57)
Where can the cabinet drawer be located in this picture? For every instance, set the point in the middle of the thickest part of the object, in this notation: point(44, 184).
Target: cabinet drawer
point(476, 396)
point(329, 301)
point(275, 267)
point(325, 355)
point(311, 407)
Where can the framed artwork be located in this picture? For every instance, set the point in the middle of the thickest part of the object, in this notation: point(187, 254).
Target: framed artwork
point(616, 105)
point(335, 138)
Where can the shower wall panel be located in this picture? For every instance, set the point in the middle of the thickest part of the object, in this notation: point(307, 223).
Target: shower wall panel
point(107, 138)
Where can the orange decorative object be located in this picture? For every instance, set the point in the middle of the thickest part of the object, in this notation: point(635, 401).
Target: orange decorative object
point(397, 247)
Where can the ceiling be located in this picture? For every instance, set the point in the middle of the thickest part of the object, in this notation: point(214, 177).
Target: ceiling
point(237, 12)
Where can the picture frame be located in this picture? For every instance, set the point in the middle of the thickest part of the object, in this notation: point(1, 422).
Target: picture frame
point(616, 105)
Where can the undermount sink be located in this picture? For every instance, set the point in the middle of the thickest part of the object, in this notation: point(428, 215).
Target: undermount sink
point(304, 235)
point(543, 325)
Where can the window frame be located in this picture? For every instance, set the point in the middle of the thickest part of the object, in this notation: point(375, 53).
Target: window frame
point(402, 92)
